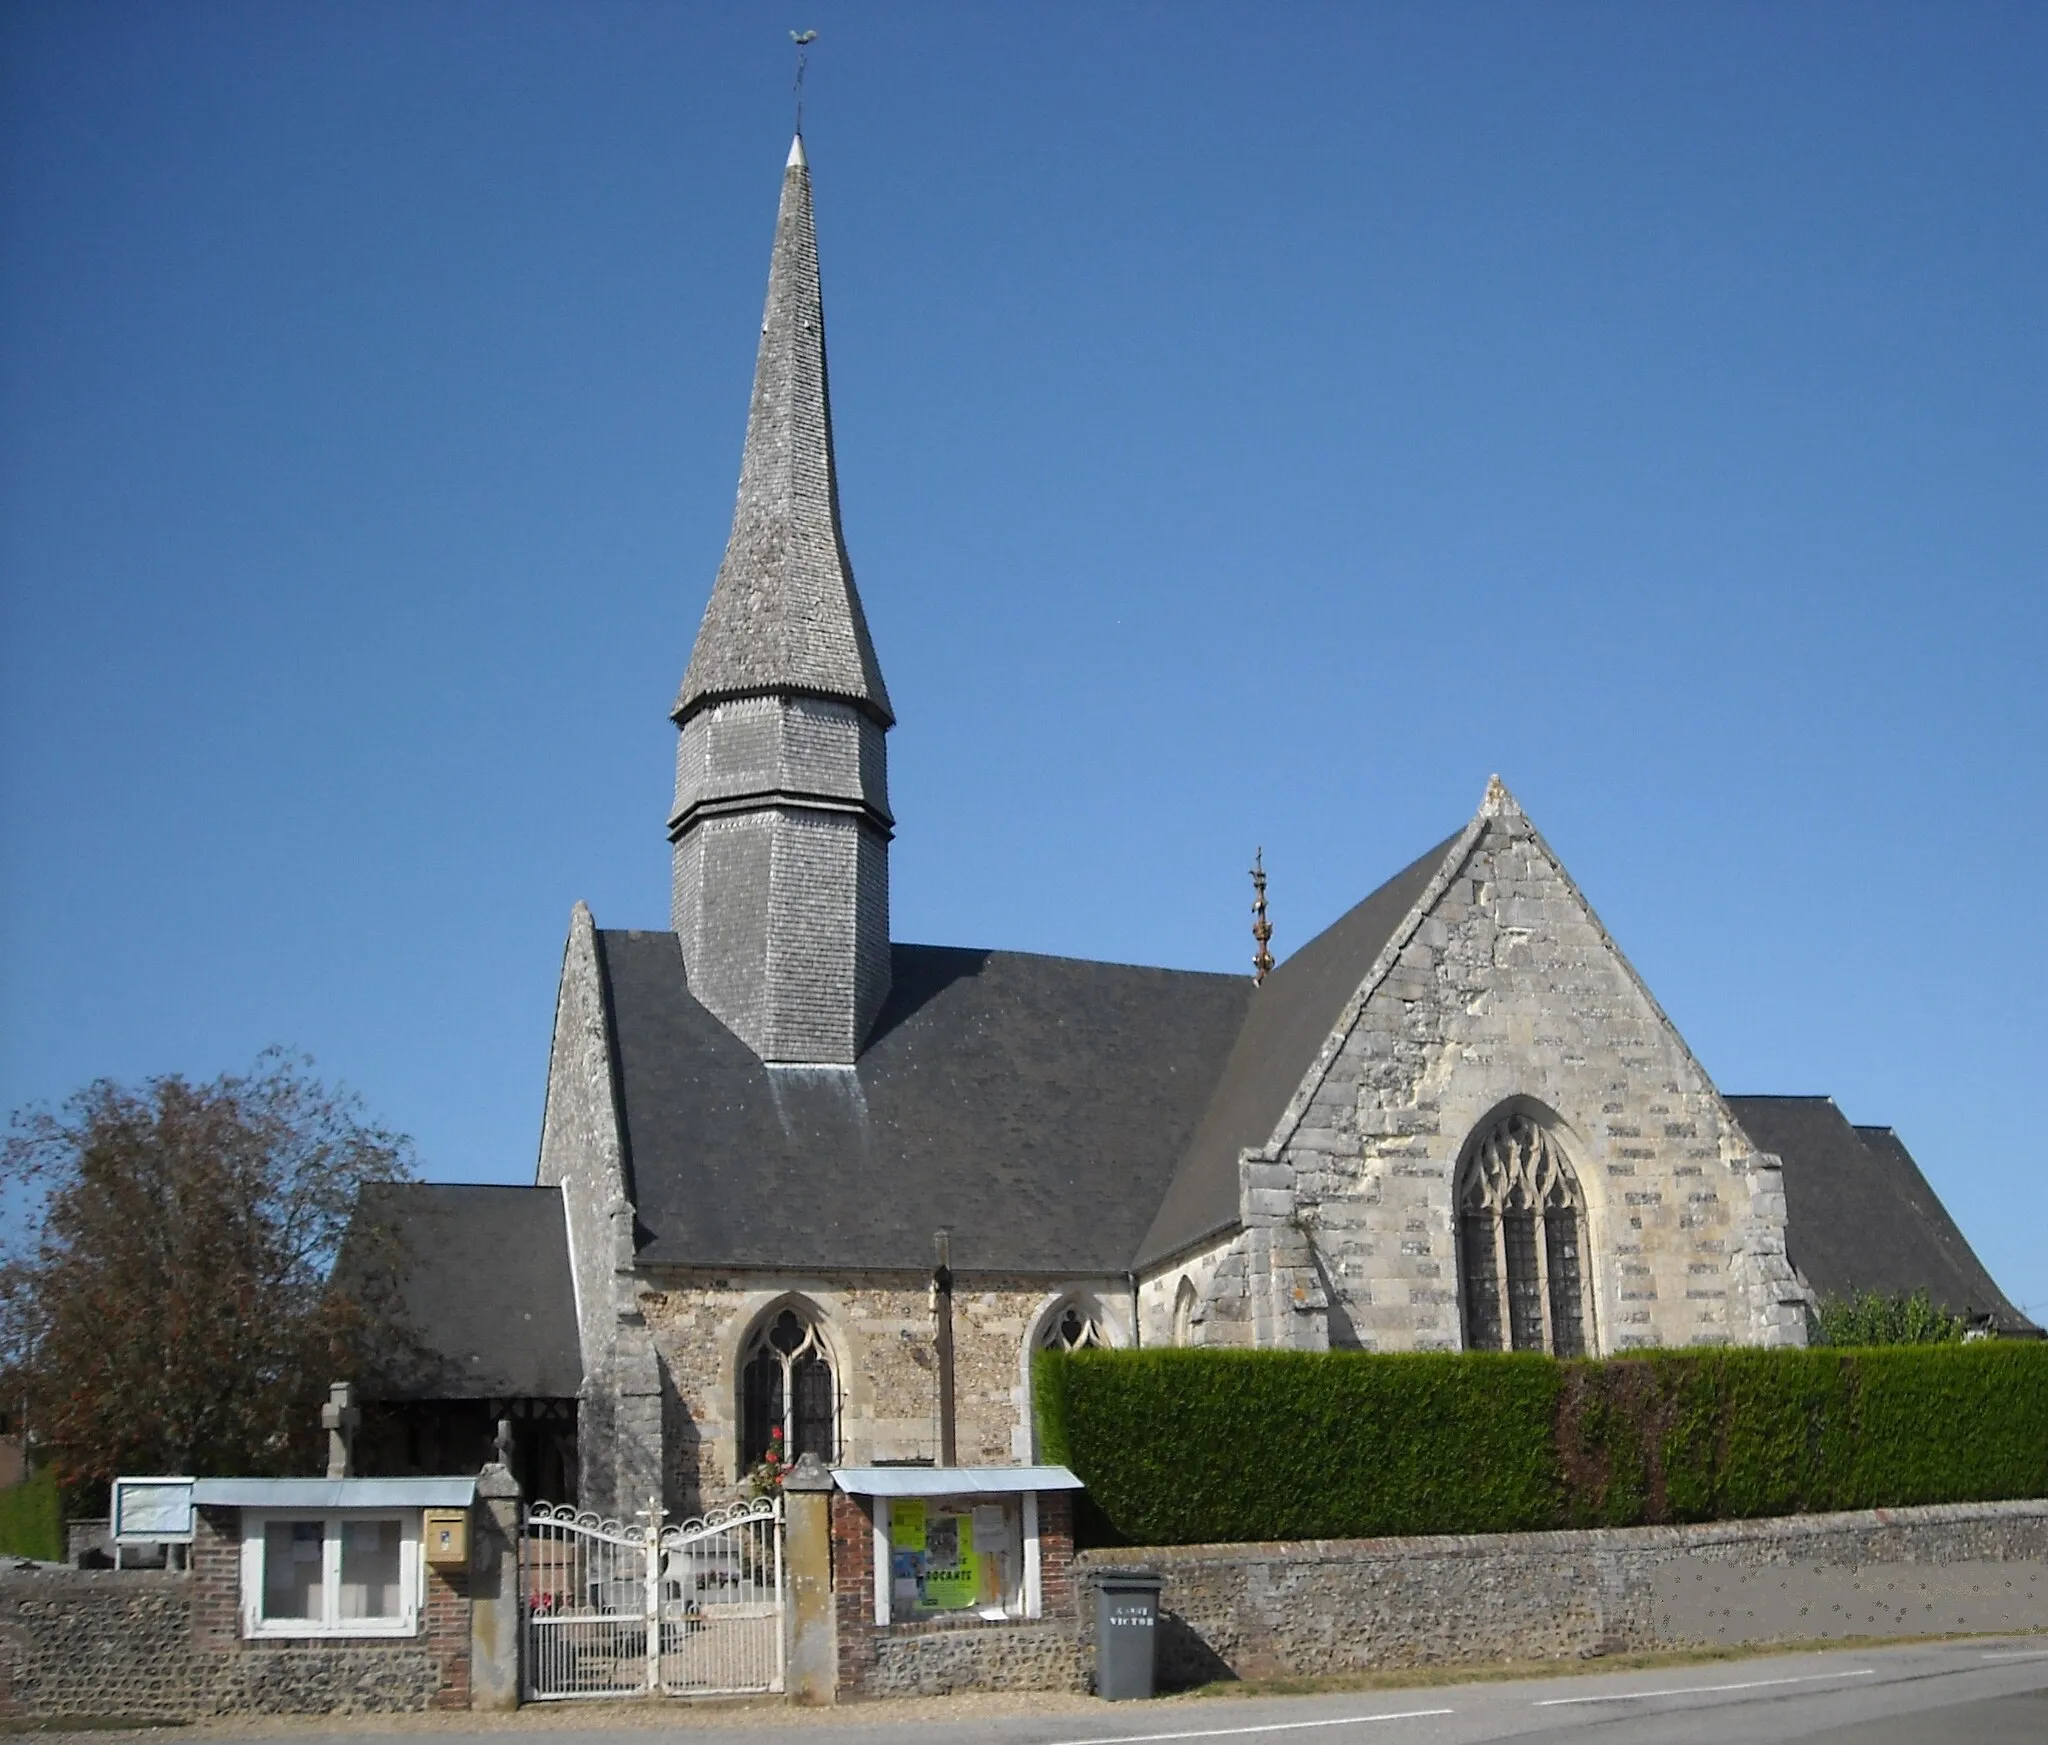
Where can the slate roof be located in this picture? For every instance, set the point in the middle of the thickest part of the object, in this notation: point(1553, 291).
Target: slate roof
point(1286, 1024)
point(1859, 1215)
point(483, 1282)
point(1035, 1106)
point(1065, 1117)
point(784, 614)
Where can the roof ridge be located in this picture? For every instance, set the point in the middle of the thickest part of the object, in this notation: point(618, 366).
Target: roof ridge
point(1067, 957)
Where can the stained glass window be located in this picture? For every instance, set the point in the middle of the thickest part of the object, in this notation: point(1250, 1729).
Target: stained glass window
point(788, 1393)
point(1521, 1242)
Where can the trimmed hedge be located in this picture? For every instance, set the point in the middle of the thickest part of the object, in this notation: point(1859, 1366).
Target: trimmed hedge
point(31, 1519)
point(1194, 1447)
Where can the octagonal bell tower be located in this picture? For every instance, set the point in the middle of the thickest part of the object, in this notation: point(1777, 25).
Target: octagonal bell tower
point(781, 826)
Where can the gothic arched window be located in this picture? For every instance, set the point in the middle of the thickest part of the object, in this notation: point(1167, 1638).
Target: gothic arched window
point(1522, 1244)
point(786, 1384)
point(1185, 1302)
point(1075, 1325)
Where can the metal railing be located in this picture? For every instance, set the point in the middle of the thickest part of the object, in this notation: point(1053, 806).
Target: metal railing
point(611, 1610)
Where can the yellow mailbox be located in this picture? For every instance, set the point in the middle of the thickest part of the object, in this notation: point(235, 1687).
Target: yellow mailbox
point(447, 1537)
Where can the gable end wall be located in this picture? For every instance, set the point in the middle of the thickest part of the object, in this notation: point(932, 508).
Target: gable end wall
point(1506, 988)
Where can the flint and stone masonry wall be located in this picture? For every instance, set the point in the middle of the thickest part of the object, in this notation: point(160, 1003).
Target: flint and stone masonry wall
point(880, 1336)
point(1334, 1606)
point(143, 1645)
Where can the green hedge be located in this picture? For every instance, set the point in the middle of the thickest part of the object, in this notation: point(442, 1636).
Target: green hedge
point(31, 1520)
point(1192, 1447)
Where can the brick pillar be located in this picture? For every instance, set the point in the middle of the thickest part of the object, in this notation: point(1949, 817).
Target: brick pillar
point(1056, 1553)
point(216, 1579)
point(447, 1634)
point(853, 1587)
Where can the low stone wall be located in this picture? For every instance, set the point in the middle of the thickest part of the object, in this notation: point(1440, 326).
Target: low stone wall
point(85, 1643)
point(938, 1659)
point(80, 1642)
point(1331, 1606)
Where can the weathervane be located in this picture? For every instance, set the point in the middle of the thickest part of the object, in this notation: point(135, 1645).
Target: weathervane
point(803, 40)
point(1262, 929)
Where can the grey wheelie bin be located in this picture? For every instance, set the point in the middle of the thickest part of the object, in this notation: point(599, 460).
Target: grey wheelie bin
point(1126, 1627)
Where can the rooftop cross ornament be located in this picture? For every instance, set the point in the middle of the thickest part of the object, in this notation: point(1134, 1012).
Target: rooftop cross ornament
point(1262, 929)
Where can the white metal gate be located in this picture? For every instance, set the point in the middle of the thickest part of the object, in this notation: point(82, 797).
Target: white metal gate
point(712, 1587)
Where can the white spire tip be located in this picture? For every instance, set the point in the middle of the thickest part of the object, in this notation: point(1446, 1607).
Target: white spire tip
point(797, 160)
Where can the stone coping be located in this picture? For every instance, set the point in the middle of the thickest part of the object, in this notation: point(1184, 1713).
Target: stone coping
point(133, 1581)
point(1663, 1538)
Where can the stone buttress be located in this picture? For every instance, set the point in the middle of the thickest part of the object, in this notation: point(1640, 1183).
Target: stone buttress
point(582, 1151)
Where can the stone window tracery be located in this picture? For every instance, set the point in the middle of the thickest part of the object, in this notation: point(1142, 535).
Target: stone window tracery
point(787, 1385)
point(1521, 1244)
point(1076, 1325)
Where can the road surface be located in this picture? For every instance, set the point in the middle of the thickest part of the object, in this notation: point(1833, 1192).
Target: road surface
point(1979, 1692)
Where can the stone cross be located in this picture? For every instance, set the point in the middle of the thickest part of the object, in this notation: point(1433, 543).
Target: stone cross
point(339, 1417)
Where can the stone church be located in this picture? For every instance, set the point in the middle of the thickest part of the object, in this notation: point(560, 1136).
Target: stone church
point(800, 1181)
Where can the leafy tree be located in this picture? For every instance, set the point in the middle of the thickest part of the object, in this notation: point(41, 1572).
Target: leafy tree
point(1873, 1318)
point(167, 1305)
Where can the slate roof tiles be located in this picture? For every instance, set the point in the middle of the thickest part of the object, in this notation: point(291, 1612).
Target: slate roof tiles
point(784, 614)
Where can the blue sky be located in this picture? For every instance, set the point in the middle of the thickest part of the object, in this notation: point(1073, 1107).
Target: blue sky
point(1256, 426)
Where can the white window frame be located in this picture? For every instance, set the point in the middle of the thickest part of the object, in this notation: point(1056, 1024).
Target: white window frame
point(411, 1575)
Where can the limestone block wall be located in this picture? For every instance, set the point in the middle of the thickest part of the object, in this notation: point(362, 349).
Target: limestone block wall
point(1320, 1607)
point(1508, 994)
point(1159, 1297)
point(1270, 1287)
point(879, 1331)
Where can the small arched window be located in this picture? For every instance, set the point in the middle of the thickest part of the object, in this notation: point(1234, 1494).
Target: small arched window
point(1184, 1304)
point(1075, 1325)
point(786, 1385)
point(1521, 1244)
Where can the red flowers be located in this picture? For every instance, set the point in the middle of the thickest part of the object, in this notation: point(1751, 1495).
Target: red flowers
point(764, 1477)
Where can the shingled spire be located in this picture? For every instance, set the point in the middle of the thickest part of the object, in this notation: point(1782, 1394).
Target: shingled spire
point(784, 614)
point(781, 823)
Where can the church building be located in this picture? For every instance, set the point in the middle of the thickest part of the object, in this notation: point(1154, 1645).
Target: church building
point(802, 1185)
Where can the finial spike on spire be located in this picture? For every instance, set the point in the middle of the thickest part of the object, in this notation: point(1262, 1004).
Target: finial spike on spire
point(797, 160)
point(1262, 929)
